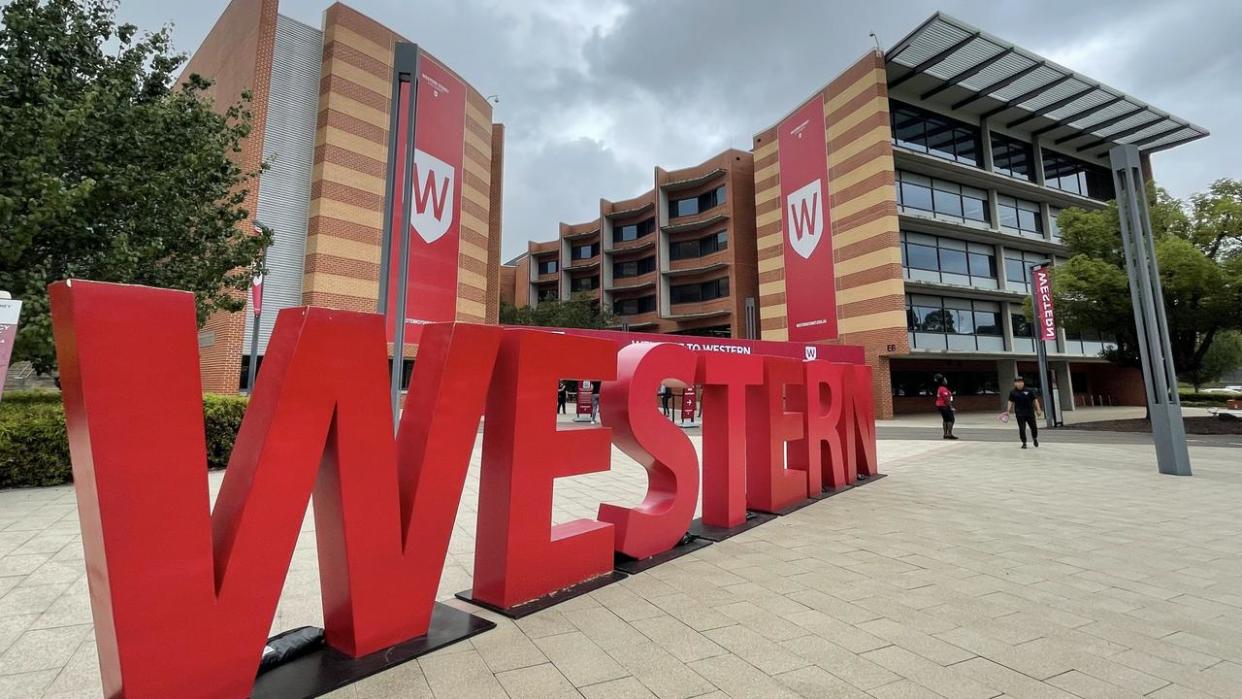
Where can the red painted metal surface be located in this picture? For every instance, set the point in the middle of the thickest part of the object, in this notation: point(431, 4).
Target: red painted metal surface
point(770, 487)
point(726, 379)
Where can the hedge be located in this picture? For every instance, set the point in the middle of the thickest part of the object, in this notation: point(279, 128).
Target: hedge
point(34, 450)
point(1208, 398)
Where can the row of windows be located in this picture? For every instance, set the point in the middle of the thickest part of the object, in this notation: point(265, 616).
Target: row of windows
point(703, 291)
point(955, 261)
point(927, 132)
point(696, 204)
point(962, 383)
point(630, 307)
point(1020, 216)
point(954, 316)
point(941, 197)
point(585, 251)
point(587, 283)
point(549, 293)
point(698, 247)
point(633, 268)
point(633, 231)
point(1018, 265)
point(548, 266)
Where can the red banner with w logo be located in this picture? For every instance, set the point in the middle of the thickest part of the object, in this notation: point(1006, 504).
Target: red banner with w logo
point(810, 287)
point(435, 212)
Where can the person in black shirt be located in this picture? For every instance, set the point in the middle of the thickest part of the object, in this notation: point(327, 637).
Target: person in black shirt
point(1024, 404)
point(562, 396)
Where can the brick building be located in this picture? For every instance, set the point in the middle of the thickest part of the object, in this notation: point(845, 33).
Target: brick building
point(949, 158)
point(679, 258)
point(320, 108)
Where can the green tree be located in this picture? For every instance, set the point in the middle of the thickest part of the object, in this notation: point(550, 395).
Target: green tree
point(109, 171)
point(581, 311)
point(1199, 252)
point(1222, 357)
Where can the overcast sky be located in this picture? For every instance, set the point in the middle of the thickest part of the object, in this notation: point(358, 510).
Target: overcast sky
point(595, 93)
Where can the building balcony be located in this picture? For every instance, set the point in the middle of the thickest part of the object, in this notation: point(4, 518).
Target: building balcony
point(643, 243)
point(638, 321)
point(695, 265)
point(583, 265)
point(699, 221)
point(548, 277)
point(640, 281)
point(695, 310)
point(924, 164)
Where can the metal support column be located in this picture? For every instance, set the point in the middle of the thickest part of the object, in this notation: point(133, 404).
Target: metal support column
point(1159, 374)
point(405, 73)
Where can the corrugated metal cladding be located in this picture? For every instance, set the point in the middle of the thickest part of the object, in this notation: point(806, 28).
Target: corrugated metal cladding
point(289, 146)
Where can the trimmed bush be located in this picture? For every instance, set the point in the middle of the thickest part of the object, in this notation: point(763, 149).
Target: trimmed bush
point(34, 448)
point(1190, 397)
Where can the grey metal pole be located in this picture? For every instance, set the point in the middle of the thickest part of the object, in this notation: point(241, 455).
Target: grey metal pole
point(1151, 323)
point(405, 73)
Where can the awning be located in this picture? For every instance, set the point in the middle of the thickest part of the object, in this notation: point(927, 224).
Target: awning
point(950, 63)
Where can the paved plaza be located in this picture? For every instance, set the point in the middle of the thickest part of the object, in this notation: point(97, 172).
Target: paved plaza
point(974, 570)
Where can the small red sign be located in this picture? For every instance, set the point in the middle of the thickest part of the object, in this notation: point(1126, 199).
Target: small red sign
point(1041, 299)
point(584, 397)
point(689, 403)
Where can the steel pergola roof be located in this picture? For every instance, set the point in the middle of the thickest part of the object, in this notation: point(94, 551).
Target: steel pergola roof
point(967, 70)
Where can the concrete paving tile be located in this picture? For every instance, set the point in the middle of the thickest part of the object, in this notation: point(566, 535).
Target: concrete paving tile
point(604, 628)
point(80, 674)
point(660, 672)
point(537, 682)
point(459, 675)
point(813, 681)
point(506, 648)
point(915, 641)
point(852, 668)
point(579, 660)
point(1014, 684)
point(740, 679)
point(27, 685)
point(404, 680)
point(946, 681)
point(42, 649)
point(624, 688)
point(903, 689)
point(764, 654)
point(1088, 687)
point(683, 642)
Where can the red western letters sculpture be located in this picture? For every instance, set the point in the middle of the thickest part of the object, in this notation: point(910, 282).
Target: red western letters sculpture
point(658, 445)
point(518, 554)
point(183, 595)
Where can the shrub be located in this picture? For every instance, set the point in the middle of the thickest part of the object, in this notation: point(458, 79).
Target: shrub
point(1192, 398)
point(34, 447)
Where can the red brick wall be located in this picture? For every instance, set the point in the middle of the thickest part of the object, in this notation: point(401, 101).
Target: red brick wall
point(237, 56)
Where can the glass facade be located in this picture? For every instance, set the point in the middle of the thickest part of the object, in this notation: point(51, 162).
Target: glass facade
point(1020, 216)
point(1013, 157)
point(945, 322)
point(962, 383)
point(941, 197)
point(947, 260)
point(701, 291)
point(698, 247)
point(928, 132)
point(1053, 229)
point(633, 231)
point(1072, 175)
point(633, 268)
point(1018, 269)
point(548, 266)
point(631, 307)
point(689, 206)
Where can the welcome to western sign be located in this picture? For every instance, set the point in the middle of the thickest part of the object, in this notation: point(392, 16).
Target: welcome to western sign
point(183, 595)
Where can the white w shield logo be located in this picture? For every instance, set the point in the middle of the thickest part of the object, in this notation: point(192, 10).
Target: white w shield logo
point(805, 221)
point(432, 211)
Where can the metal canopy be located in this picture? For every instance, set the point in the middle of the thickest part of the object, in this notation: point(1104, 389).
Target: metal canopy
point(969, 71)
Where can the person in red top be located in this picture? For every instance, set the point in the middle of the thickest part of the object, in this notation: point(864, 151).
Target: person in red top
point(944, 403)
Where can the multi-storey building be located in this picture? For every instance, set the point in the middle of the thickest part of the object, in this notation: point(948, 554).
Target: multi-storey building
point(321, 114)
point(949, 158)
point(679, 258)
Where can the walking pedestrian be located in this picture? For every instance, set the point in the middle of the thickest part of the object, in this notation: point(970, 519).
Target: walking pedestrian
point(562, 397)
point(944, 404)
point(666, 400)
point(1024, 404)
point(595, 401)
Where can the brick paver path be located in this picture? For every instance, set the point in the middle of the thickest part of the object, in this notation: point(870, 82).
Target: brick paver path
point(974, 570)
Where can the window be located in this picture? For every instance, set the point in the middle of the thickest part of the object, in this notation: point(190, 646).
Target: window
point(704, 291)
point(548, 266)
point(1021, 325)
point(633, 268)
point(1018, 269)
point(941, 197)
point(585, 251)
point(945, 322)
point(630, 307)
point(1012, 157)
point(590, 283)
point(1053, 228)
point(689, 206)
point(962, 383)
point(948, 260)
point(698, 247)
point(926, 132)
point(633, 231)
point(1072, 175)
point(548, 293)
point(1020, 216)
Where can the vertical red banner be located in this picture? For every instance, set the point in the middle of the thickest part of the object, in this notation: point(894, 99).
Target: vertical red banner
point(1041, 302)
point(433, 232)
point(810, 286)
point(583, 404)
point(689, 403)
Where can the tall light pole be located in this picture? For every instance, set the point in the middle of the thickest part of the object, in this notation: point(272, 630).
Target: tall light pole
point(256, 308)
point(1159, 375)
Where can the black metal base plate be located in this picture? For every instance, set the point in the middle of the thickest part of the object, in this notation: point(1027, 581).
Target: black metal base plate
point(630, 566)
point(710, 533)
point(542, 603)
point(327, 669)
